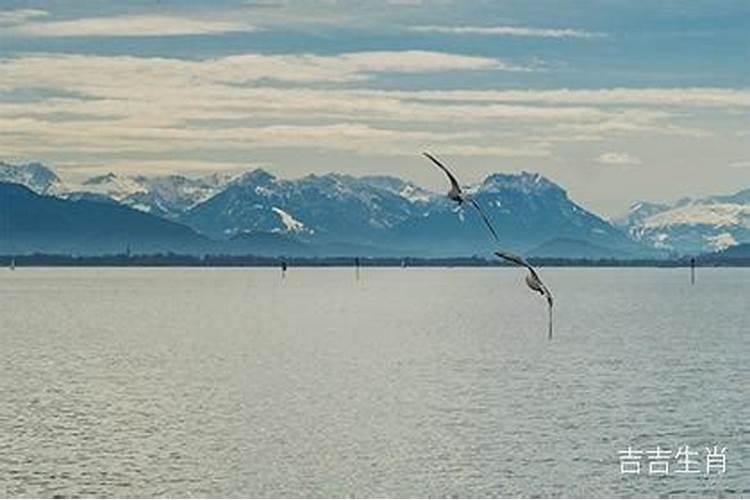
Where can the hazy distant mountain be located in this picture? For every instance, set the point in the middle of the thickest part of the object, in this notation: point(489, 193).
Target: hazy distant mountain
point(575, 249)
point(35, 176)
point(737, 255)
point(35, 223)
point(273, 244)
point(639, 212)
point(692, 226)
point(741, 251)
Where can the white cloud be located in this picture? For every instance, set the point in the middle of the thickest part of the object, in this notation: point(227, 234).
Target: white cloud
point(156, 106)
point(170, 91)
point(703, 97)
point(623, 159)
point(118, 71)
point(419, 61)
point(18, 16)
point(519, 31)
point(740, 164)
point(130, 26)
point(634, 124)
point(40, 138)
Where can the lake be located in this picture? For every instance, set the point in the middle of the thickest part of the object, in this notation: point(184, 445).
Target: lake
point(409, 382)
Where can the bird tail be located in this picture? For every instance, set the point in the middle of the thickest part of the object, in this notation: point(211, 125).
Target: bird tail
point(549, 334)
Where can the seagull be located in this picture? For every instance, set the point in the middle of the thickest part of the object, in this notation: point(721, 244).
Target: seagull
point(532, 280)
point(456, 194)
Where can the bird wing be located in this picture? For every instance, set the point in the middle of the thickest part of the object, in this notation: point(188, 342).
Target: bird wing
point(520, 261)
point(535, 279)
point(454, 182)
point(484, 218)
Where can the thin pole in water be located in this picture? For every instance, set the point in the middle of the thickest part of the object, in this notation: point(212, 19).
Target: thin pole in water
point(692, 271)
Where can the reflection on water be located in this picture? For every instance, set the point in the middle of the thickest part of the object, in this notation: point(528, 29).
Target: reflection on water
point(409, 382)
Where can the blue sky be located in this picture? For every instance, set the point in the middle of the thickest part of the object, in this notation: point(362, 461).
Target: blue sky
point(616, 100)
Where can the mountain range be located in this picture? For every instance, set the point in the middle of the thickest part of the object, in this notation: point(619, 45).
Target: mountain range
point(35, 223)
point(691, 226)
point(334, 214)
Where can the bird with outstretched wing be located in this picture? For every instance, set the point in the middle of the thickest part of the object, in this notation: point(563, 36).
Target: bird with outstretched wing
point(533, 281)
point(457, 194)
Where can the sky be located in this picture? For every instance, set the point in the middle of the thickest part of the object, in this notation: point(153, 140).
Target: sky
point(618, 101)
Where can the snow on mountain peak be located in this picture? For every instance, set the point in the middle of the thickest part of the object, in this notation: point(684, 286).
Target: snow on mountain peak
point(291, 224)
point(35, 176)
point(714, 214)
point(257, 176)
point(525, 182)
point(399, 187)
point(721, 241)
point(415, 194)
point(692, 225)
point(114, 186)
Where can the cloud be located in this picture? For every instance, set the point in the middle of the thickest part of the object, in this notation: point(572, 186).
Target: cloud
point(41, 138)
point(622, 159)
point(419, 61)
point(702, 97)
point(740, 164)
point(63, 70)
point(11, 17)
point(518, 31)
point(130, 26)
point(116, 105)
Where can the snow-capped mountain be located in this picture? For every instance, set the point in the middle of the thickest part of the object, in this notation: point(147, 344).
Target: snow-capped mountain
point(386, 214)
point(113, 186)
point(527, 209)
point(692, 226)
point(328, 208)
point(164, 195)
point(167, 196)
point(338, 214)
point(34, 176)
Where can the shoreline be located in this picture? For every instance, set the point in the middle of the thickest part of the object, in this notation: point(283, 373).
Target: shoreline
point(226, 261)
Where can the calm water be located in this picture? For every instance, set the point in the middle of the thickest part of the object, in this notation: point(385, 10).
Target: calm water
point(410, 382)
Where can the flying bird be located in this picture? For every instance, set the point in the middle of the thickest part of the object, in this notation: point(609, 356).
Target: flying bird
point(456, 194)
point(533, 281)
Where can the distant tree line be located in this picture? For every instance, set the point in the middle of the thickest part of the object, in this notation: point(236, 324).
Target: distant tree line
point(177, 260)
